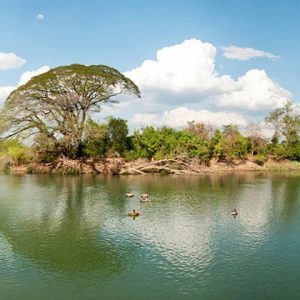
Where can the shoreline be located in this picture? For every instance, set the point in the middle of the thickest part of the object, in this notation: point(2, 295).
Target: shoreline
point(118, 166)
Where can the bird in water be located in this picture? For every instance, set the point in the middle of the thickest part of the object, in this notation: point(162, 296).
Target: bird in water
point(234, 213)
point(133, 213)
point(144, 197)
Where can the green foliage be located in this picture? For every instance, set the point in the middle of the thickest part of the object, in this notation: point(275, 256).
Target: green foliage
point(293, 151)
point(193, 145)
point(278, 151)
point(215, 143)
point(14, 152)
point(95, 139)
point(166, 142)
point(117, 131)
point(153, 142)
point(44, 149)
point(260, 159)
point(229, 143)
point(286, 124)
point(56, 104)
point(197, 140)
point(107, 139)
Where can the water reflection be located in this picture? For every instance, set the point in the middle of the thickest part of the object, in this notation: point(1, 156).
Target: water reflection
point(55, 225)
point(186, 235)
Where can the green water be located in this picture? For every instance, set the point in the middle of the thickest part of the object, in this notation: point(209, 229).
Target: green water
point(70, 237)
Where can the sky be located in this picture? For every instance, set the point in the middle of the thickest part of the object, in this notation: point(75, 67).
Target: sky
point(218, 62)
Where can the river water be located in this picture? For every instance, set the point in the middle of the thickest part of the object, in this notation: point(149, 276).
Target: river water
point(69, 237)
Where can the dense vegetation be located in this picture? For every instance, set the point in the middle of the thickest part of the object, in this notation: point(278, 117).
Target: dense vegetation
point(197, 140)
point(53, 108)
point(49, 117)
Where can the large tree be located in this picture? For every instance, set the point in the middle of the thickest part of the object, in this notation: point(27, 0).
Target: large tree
point(56, 105)
point(286, 123)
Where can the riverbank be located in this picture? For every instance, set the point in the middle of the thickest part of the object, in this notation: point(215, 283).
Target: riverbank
point(177, 166)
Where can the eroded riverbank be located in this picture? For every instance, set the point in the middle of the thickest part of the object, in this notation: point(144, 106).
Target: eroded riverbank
point(177, 166)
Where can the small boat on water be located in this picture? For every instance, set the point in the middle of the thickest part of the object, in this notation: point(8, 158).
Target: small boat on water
point(129, 195)
point(133, 213)
point(144, 197)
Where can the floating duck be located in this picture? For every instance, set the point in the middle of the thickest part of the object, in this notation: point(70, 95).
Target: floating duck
point(144, 197)
point(133, 213)
point(129, 195)
point(234, 212)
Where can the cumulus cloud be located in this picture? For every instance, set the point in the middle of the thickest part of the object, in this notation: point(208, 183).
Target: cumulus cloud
point(186, 68)
point(25, 77)
point(10, 61)
point(233, 52)
point(179, 117)
point(186, 73)
point(257, 92)
point(40, 17)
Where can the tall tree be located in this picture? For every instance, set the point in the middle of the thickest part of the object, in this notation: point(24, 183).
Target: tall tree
point(58, 103)
point(117, 131)
point(286, 123)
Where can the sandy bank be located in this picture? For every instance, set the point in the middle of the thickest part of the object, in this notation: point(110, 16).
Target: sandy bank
point(118, 166)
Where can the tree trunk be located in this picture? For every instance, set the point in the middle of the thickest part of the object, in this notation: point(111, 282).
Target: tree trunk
point(79, 153)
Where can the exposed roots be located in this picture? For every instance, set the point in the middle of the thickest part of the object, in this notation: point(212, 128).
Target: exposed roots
point(177, 166)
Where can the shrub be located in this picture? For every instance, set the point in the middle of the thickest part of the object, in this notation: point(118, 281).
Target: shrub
point(13, 152)
point(260, 159)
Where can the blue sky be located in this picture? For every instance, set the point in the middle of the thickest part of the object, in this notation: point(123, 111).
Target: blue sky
point(124, 34)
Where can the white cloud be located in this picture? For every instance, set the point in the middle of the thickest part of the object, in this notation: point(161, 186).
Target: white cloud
point(5, 91)
point(257, 92)
point(233, 52)
point(186, 68)
point(25, 77)
point(10, 61)
point(40, 17)
point(179, 117)
point(185, 74)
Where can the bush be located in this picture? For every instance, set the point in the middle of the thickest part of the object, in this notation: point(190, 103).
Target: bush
point(95, 139)
point(260, 159)
point(12, 152)
point(278, 151)
point(293, 152)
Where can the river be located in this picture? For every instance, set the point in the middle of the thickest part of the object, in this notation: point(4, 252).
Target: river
point(69, 237)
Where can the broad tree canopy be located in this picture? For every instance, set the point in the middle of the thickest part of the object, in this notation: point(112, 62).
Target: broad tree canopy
point(56, 105)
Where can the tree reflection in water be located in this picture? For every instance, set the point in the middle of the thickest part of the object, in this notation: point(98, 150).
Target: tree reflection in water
point(76, 223)
point(60, 224)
